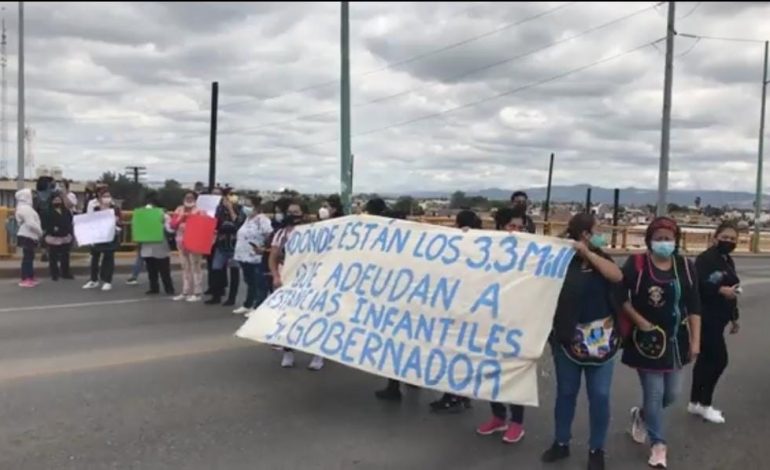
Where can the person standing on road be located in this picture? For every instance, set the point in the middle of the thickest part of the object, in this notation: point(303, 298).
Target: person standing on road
point(156, 257)
point(58, 237)
point(449, 403)
point(520, 201)
point(295, 215)
point(585, 340)
point(719, 289)
point(510, 220)
point(28, 235)
point(249, 250)
point(103, 254)
point(664, 308)
point(192, 273)
point(229, 217)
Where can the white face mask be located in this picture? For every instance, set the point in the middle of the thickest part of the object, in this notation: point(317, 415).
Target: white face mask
point(107, 201)
point(189, 204)
point(323, 213)
point(279, 217)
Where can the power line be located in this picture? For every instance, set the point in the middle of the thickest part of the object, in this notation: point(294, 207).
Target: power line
point(697, 5)
point(455, 77)
point(689, 49)
point(719, 38)
point(489, 98)
point(412, 58)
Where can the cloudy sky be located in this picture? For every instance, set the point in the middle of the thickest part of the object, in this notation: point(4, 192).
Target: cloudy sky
point(448, 95)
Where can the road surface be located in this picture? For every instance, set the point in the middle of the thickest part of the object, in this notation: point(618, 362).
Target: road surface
point(92, 380)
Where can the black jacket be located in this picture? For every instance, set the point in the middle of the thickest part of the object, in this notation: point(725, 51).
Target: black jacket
point(58, 224)
point(568, 305)
point(715, 271)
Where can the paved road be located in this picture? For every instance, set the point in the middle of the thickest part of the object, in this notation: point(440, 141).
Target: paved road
point(90, 380)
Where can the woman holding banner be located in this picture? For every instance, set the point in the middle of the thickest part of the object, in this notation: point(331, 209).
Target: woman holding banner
point(585, 339)
point(192, 273)
point(58, 237)
point(156, 256)
point(664, 307)
point(103, 254)
point(511, 220)
point(295, 215)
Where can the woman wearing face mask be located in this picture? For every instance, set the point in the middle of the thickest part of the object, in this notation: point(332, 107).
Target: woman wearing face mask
point(331, 209)
point(249, 249)
point(510, 220)
point(584, 339)
point(719, 289)
point(230, 217)
point(28, 235)
point(295, 215)
point(156, 257)
point(192, 274)
point(103, 254)
point(664, 308)
point(58, 238)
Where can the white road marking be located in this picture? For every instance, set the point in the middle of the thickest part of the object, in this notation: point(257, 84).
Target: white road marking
point(75, 305)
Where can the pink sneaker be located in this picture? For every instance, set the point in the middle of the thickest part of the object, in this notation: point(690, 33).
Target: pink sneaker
point(34, 282)
point(514, 434)
point(492, 426)
point(26, 283)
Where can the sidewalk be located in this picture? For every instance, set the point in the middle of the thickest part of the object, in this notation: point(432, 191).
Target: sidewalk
point(79, 264)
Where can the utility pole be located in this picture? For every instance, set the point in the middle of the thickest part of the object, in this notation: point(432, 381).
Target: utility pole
point(4, 104)
point(548, 190)
point(136, 172)
point(213, 136)
point(760, 157)
point(665, 134)
point(20, 104)
point(346, 173)
point(588, 200)
point(615, 216)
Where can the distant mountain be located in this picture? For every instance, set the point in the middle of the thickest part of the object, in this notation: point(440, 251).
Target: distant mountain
point(628, 196)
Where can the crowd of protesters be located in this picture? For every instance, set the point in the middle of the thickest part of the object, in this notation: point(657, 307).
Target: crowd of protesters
point(657, 313)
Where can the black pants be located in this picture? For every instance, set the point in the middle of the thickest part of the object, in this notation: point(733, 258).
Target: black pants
point(59, 261)
point(711, 362)
point(159, 267)
point(102, 271)
point(28, 257)
point(220, 283)
point(499, 411)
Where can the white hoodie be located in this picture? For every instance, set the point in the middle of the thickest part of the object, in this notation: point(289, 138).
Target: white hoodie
point(26, 217)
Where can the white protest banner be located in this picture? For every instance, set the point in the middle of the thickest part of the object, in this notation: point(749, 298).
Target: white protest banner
point(208, 203)
point(95, 227)
point(462, 312)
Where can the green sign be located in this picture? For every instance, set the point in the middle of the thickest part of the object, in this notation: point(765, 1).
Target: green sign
point(147, 225)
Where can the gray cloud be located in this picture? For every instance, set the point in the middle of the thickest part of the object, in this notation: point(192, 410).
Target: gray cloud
point(124, 83)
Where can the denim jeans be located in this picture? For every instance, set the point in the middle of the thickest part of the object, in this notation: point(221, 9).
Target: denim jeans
point(28, 257)
point(256, 284)
point(660, 390)
point(136, 270)
point(598, 384)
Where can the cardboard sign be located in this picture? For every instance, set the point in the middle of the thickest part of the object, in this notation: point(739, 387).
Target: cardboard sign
point(147, 225)
point(199, 233)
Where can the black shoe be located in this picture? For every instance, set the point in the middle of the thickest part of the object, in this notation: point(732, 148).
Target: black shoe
point(213, 301)
point(68, 277)
point(555, 453)
point(152, 292)
point(229, 303)
point(596, 460)
point(388, 394)
point(450, 404)
point(208, 292)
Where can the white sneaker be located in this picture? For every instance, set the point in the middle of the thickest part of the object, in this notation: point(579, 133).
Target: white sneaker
point(316, 364)
point(241, 310)
point(695, 409)
point(194, 298)
point(91, 285)
point(658, 456)
point(106, 286)
point(132, 282)
point(288, 359)
point(249, 313)
point(179, 298)
point(638, 428)
point(713, 415)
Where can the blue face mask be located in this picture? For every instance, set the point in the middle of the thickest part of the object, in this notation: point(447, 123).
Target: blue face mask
point(248, 211)
point(664, 249)
point(598, 240)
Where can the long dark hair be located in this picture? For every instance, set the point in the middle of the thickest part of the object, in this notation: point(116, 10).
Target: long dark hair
point(578, 224)
point(468, 218)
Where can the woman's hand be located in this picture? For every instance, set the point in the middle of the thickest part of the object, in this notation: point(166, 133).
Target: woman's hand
point(735, 327)
point(729, 292)
point(694, 350)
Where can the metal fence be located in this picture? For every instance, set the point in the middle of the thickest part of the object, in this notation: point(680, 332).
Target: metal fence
point(623, 238)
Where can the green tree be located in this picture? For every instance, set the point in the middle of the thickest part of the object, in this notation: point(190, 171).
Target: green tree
point(407, 205)
point(458, 200)
point(125, 189)
point(171, 194)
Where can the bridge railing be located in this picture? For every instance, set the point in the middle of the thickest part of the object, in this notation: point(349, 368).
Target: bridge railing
point(622, 237)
